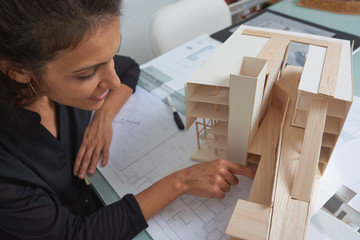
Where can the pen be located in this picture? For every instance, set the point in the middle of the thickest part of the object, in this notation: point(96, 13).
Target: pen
point(177, 118)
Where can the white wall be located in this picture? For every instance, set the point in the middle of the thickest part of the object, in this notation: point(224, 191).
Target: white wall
point(135, 24)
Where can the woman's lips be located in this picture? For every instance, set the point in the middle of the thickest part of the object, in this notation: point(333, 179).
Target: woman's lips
point(99, 97)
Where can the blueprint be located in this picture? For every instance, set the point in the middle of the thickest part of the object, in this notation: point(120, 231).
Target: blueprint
point(191, 217)
point(140, 119)
point(132, 169)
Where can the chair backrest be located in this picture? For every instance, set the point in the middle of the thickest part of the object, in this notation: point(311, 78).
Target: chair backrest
point(184, 20)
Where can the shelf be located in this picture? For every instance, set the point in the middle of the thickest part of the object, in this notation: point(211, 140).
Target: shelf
point(324, 155)
point(336, 108)
point(206, 110)
point(329, 140)
point(253, 158)
point(332, 124)
point(211, 94)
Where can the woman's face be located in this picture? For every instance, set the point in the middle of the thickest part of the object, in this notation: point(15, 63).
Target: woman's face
point(82, 77)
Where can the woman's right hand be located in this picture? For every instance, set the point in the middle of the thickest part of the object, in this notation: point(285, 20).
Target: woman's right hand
point(211, 179)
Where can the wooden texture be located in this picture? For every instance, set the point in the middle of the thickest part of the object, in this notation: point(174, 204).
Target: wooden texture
point(266, 139)
point(295, 220)
point(249, 221)
point(289, 157)
point(310, 151)
point(330, 70)
point(331, 63)
point(338, 6)
point(274, 51)
point(266, 144)
point(290, 37)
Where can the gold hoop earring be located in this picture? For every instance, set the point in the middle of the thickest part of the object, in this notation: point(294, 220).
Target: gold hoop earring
point(32, 88)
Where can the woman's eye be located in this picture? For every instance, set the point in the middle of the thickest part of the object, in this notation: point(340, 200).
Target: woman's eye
point(88, 77)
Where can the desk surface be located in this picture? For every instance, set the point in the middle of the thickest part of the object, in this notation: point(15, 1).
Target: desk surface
point(345, 23)
point(341, 22)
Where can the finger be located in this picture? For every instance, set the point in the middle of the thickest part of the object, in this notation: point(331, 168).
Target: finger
point(221, 183)
point(232, 179)
point(217, 192)
point(237, 168)
point(94, 160)
point(105, 154)
point(85, 162)
point(228, 176)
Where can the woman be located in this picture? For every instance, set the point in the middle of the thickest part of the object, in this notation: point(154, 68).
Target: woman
point(56, 66)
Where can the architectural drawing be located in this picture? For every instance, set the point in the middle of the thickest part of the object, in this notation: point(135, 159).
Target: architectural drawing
point(281, 120)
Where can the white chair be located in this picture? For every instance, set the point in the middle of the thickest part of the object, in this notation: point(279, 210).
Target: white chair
point(184, 20)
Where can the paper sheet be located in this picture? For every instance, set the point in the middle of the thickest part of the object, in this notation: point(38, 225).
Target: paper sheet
point(138, 159)
point(140, 119)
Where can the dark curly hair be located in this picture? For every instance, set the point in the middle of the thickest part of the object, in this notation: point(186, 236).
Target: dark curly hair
point(33, 32)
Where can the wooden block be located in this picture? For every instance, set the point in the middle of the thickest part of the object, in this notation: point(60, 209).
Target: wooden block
point(331, 69)
point(266, 139)
point(266, 143)
point(273, 52)
point(295, 220)
point(289, 153)
point(338, 6)
point(293, 38)
point(310, 151)
point(312, 205)
point(249, 221)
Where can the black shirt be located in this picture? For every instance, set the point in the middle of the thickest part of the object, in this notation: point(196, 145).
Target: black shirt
point(39, 196)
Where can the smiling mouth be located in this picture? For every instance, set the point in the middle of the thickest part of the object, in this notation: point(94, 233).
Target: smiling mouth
point(100, 97)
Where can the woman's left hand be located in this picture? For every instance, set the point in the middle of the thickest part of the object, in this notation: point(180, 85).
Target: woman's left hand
point(96, 142)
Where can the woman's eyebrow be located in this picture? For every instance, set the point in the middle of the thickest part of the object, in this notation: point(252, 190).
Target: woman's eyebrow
point(89, 67)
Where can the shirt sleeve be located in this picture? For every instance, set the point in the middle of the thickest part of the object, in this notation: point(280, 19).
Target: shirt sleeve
point(128, 70)
point(27, 212)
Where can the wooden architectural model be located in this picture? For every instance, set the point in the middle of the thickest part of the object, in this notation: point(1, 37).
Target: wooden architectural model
point(338, 6)
point(281, 120)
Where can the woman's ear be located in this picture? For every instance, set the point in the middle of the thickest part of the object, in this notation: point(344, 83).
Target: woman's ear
point(16, 73)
